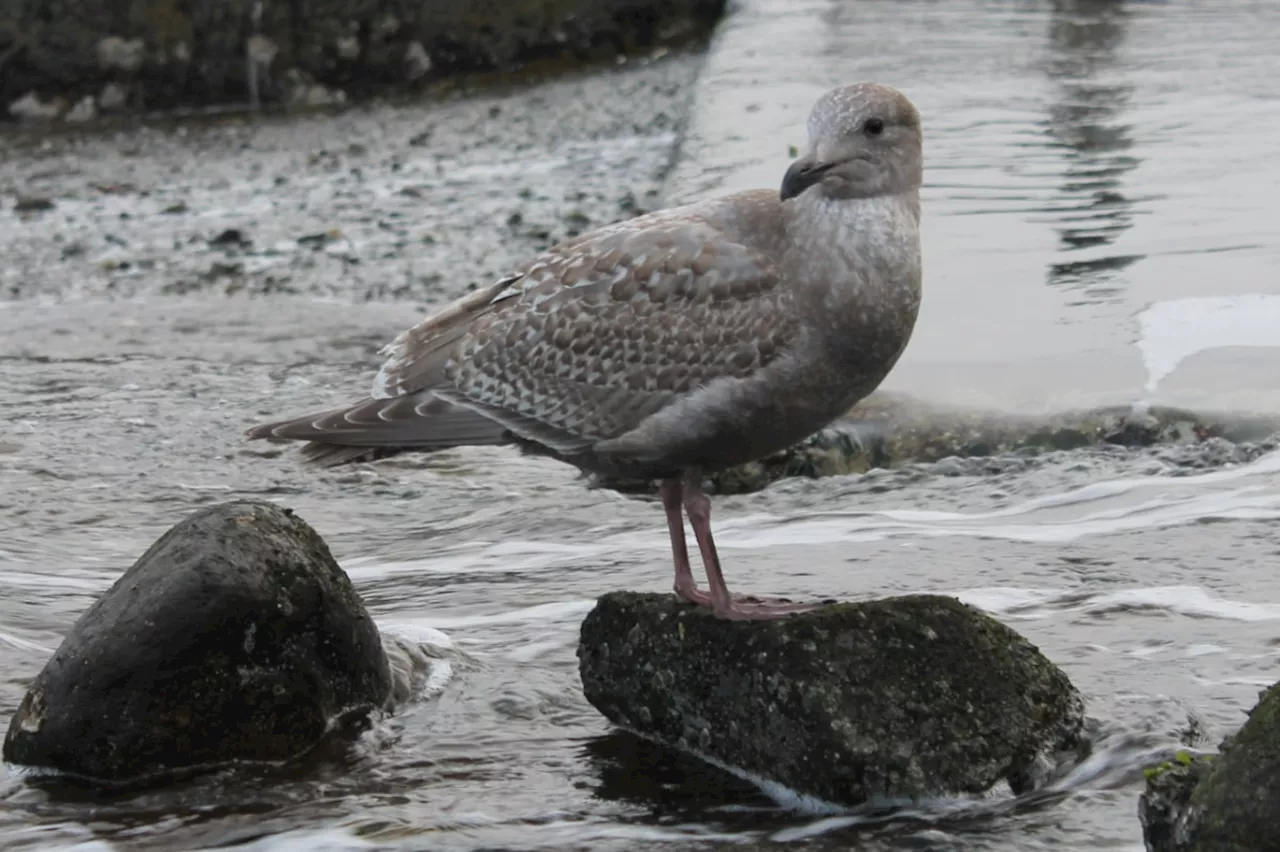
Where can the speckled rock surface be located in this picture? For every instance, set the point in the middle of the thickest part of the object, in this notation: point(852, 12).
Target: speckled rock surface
point(235, 637)
point(1229, 802)
point(902, 698)
point(77, 59)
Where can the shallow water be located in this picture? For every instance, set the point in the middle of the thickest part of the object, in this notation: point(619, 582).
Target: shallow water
point(1094, 171)
point(1146, 574)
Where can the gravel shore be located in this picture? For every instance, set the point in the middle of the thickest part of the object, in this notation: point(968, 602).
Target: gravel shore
point(415, 201)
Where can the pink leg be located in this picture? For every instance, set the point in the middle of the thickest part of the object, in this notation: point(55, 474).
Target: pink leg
point(698, 506)
point(672, 491)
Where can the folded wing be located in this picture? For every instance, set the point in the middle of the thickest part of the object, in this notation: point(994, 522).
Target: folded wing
point(589, 340)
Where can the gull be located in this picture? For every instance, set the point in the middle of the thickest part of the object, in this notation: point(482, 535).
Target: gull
point(677, 343)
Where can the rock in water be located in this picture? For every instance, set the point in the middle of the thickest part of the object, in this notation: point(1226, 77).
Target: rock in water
point(1164, 808)
point(174, 53)
point(235, 637)
point(1224, 802)
point(904, 698)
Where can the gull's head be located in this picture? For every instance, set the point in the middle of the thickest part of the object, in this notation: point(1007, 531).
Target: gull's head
point(864, 141)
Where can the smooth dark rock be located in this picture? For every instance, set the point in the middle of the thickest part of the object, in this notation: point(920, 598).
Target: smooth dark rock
point(231, 238)
point(150, 54)
point(903, 698)
point(236, 637)
point(1229, 802)
point(28, 204)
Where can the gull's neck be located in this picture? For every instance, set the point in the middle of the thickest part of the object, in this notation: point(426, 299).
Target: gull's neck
point(879, 231)
point(858, 271)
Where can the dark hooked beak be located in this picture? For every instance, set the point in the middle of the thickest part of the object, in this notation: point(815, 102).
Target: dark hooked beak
point(803, 174)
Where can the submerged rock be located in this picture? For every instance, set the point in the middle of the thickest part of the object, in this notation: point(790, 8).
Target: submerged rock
point(888, 430)
point(234, 637)
point(897, 699)
point(1224, 802)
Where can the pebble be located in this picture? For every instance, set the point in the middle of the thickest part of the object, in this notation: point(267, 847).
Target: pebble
point(32, 204)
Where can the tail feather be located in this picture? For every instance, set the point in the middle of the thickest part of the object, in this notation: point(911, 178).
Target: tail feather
point(335, 455)
point(377, 428)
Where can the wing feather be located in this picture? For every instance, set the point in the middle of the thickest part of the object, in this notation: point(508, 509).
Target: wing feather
point(581, 346)
point(417, 355)
point(599, 338)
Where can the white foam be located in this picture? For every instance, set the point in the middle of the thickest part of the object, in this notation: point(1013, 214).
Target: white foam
point(576, 831)
point(419, 634)
point(23, 644)
point(559, 611)
point(527, 652)
point(1190, 601)
point(1186, 600)
point(435, 648)
point(305, 840)
point(1007, 600)
point(758, 532)
point(1173, 330)
point(1196, 503)
point(474, 557)
point(437, 679)
point(1238, 492)
point(1111, 758)
point(813, 829)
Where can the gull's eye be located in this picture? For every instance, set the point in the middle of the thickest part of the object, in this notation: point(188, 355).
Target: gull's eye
point(873, 127)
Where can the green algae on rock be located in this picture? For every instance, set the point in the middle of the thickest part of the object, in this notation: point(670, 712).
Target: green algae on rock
point(905, 698)
point(1164, 807)
point(1229, 802)
point(235, 637)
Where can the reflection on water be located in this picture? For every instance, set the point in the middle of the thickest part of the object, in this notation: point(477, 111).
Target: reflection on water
point(1083, 160)
point(1086, 121)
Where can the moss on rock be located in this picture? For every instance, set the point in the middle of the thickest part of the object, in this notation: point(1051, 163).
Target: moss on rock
point(1228, 802)
point(903, 698)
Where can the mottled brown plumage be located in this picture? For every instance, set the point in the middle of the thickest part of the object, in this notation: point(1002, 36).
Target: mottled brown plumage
point(679, 342)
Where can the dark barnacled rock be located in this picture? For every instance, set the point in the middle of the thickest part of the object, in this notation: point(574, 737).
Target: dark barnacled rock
point(1224, 802)
point(235, 637)
point(112, 55)
point(904, 698)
